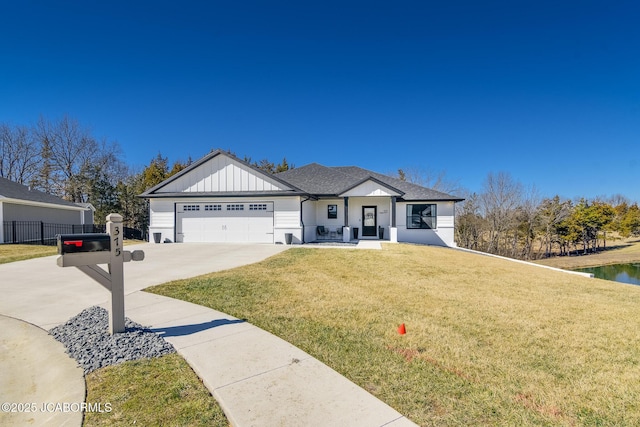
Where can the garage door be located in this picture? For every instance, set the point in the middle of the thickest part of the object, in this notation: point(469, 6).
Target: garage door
point(225, 222)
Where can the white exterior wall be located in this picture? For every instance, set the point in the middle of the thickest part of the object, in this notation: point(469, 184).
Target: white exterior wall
point(309, 220)
point(316, 213)
point(322, 215)
point(443, 235)
point(286, 215)
point(162, 218)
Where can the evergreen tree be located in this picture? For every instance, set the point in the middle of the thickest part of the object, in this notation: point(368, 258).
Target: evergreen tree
point(156, 172)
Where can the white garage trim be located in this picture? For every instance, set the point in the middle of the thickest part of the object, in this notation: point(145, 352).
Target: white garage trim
point(232, 221)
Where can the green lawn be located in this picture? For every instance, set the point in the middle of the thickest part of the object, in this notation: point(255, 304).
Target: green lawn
point(151, 392)
point(488, 342)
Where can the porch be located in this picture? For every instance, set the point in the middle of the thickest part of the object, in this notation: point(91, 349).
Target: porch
point(332, 233)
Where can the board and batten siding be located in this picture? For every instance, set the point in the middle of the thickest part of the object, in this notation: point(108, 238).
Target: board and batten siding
point(221, 174)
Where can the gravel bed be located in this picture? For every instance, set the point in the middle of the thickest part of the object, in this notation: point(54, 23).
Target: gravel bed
point(87, 339)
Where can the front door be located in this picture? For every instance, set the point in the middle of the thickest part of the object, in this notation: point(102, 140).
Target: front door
point(369, 220)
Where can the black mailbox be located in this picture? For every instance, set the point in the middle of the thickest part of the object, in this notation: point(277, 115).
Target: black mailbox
point(80, 243)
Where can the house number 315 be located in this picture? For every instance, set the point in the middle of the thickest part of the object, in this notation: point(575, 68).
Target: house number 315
point(116, 240)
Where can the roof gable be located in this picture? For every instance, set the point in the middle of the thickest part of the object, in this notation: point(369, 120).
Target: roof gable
point(371, 187)
point(411, 191)
point(219, 172)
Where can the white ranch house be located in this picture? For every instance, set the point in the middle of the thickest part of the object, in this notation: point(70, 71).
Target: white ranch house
point(221, 198)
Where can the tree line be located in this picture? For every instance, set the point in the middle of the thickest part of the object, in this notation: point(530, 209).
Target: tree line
point(63, 158)
point(507, 219)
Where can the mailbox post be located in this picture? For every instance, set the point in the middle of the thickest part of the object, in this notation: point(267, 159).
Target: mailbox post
point(86, 251)
point(114, 229)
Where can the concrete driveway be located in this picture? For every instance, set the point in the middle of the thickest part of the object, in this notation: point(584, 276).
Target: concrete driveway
point(40, 292)
point(256, 377)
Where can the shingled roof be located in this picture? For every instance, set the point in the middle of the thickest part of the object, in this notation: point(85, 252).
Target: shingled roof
point(317, 179)
point(322, 180)
point(13, 190)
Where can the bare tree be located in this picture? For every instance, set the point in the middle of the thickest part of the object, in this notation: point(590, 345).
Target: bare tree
point(500, 199)
point(551, 213)
point(436, 180)
point(19, 154)
point(470, 225)
point(70, 158)
point(67, 149)
point(527, 224)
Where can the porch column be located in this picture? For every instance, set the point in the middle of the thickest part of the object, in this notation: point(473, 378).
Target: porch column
point(346, 230)
point(393, 211)
point(1, 224)
point(393, 230)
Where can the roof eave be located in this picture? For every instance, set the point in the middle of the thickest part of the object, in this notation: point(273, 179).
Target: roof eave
point(42, 204)
point(202, 195)
point(431, 199)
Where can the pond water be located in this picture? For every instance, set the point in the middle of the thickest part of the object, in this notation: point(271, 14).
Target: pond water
point(625, 273)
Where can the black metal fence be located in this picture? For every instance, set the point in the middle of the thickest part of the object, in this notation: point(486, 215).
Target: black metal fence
point(43, 233)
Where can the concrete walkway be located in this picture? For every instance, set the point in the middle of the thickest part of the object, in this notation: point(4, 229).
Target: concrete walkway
point(354, 244)
point(258, 379)
point(36, 374)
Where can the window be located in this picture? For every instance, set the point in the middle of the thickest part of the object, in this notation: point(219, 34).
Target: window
point(212, 207)
point(191, 207)
point(235, 207)
point(332, 211)
point(257, 206)
point(421, 216)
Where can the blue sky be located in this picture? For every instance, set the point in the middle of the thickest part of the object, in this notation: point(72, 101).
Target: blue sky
point(546, 91)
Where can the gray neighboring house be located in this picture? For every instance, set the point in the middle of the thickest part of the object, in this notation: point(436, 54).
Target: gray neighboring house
point(19, 203)
point(221, 198)
point(89, 212)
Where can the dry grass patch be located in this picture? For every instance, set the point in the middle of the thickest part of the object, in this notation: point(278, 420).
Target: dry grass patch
point(488, 342)
point(627, 251)
point(11, 253)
